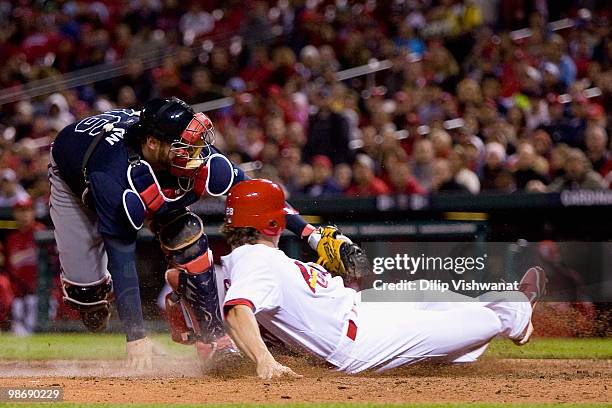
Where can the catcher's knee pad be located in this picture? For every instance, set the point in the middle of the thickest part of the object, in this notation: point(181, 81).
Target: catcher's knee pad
point(185, 244)
point(91, 300)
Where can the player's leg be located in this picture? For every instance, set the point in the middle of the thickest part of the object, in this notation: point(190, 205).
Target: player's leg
point(86, 283)
point(513, 305)
point(510, 306)
point(394, 334)
point(468, 329)
point(193, 308)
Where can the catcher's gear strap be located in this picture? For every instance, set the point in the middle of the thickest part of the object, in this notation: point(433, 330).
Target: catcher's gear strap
point(134, 208)
point(199, 292)
point(185, 243)
point(85, 296)
point(85, 197)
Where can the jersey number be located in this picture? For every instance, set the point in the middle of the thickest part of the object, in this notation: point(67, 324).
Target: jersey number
point(93, 124)
point(313, 274)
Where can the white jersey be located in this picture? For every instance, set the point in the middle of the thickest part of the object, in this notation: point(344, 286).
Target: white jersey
point(299, 303)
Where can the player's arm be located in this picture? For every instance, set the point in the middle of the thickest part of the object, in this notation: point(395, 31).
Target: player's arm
point(120, 246)
point(122, 267)
point(119, 238)
point(254, 289)
point(243, 329)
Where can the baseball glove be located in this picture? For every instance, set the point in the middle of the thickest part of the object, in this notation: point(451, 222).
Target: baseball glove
point(338, 254)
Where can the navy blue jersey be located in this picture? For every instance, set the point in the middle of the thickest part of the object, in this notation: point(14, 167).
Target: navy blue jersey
point(110, 154)
point(106, 167)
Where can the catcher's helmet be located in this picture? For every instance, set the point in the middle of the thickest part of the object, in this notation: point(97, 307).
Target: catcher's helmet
point(258, 204)
point(189, 134)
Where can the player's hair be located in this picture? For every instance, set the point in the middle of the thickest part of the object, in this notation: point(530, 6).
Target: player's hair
point(236, 237)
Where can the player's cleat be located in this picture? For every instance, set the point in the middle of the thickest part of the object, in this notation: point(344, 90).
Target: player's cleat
point(96, 319)
point(533, 284)
point(524, 339)
point(221, 351)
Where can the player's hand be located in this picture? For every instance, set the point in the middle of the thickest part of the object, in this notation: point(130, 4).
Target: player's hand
point(140, 354)
point(270, 368)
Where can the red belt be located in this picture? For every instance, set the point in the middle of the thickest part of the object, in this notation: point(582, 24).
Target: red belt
point(351, 331)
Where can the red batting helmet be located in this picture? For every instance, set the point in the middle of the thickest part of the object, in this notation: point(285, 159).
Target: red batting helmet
point(258, 204)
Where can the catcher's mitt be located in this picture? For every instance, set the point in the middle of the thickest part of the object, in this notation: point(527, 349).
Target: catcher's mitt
point(338, 254)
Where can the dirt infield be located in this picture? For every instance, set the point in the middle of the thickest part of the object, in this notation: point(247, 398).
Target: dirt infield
point(490, 380)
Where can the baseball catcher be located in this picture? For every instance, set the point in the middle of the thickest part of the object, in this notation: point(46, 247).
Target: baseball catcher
point(112, 173)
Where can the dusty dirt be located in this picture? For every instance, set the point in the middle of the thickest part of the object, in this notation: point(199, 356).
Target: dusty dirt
point(489, 380)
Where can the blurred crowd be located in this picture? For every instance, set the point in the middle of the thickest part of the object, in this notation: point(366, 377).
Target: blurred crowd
point(450, 95)
point(458, 95)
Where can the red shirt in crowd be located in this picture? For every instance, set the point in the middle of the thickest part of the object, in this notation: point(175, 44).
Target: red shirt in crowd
point(606, 168)
point(375, 187)
point(22, 260)
point(412, 186)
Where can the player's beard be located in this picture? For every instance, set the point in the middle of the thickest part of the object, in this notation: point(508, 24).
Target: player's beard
point(164, 157)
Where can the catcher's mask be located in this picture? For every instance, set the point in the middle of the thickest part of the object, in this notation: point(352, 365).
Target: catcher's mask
point(193, 147)
point(189, 134)
point(258, 204)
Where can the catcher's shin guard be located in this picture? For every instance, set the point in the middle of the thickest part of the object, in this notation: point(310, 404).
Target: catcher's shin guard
point(191, 275)
point(194, 315)
point(200, 301)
